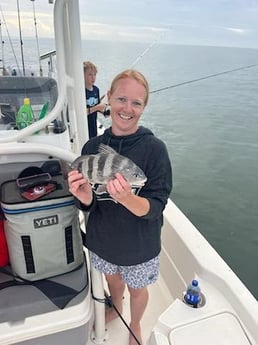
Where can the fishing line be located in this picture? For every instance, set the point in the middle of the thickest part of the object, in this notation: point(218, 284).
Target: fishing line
point(108, 302)
point(202, 78)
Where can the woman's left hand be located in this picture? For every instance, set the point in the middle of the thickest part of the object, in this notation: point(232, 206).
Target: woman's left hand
point(119, 188)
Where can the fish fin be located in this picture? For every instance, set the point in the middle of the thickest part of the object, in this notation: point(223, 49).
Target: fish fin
point(106, 149)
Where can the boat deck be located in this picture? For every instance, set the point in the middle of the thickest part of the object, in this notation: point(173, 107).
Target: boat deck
point(159, 300)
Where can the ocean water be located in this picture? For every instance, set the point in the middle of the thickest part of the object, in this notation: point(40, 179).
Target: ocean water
point(210, 128)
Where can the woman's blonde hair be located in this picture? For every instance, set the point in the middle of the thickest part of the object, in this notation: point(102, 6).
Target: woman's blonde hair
point(131, 73)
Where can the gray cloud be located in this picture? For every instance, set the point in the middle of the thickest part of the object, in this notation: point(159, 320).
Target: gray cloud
point(220, 22)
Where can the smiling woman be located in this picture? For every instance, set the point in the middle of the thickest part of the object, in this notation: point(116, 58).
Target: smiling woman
point(125, 113)
point(127, 252)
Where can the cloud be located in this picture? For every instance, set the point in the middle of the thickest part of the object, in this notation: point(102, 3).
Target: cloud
point(237, 30)
point(10, 24)
point(221, 22)
point(99, 31)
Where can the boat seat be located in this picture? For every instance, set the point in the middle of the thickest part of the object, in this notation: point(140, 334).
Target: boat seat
point(19, 301)
point(223, 329)
point(211, 324)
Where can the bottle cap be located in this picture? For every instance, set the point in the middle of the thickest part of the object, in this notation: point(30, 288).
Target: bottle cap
point(26, 101)
point(195, 282)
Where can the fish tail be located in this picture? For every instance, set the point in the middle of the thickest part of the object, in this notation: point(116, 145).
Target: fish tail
point(65, 168)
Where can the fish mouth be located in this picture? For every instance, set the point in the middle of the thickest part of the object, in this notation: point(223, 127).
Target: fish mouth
point(138, 184)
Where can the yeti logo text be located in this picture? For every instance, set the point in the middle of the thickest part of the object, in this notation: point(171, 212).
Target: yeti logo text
point(46, 221)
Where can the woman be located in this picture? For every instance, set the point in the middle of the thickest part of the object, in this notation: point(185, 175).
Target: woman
point(123, 231)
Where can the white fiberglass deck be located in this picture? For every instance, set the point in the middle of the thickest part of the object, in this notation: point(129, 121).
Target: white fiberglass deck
point(172, 322)
point(159, 300)
point(229, 313)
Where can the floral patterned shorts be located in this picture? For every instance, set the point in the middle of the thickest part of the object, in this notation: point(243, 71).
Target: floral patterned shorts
point(136, 276)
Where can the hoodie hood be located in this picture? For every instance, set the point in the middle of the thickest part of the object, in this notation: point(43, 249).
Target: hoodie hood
point(123, 143)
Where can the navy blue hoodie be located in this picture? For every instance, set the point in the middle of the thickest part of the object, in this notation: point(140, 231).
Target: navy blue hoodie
point(113, 232)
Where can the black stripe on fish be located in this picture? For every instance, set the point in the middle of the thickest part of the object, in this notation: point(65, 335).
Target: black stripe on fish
point(102, 163)
point(90, 167)
point(116, 162)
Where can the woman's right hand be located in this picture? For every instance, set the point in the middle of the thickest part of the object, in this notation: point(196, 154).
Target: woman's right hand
point(80, 187)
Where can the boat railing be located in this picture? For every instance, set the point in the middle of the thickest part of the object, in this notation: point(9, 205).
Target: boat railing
point(50, 57)
point(36, 149)
point(68, 50)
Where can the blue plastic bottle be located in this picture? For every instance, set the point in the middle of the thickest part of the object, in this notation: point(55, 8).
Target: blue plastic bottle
point(24, 116)
point(193, 294)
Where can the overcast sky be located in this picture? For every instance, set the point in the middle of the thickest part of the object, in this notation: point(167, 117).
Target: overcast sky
point(198, 22)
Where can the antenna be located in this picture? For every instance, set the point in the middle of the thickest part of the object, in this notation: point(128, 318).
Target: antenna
point(37, 40)
point(2, 44)
point(11, 43)
point(19, 19)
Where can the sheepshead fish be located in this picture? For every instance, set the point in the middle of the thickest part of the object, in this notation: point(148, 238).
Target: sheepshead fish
point(99, 168)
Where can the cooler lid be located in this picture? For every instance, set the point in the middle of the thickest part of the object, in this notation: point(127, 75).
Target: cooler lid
point(222, 329)
point(11, 194)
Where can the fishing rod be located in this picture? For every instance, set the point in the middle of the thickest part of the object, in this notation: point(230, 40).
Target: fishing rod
point(139, 57)
point(202, 78)
point(21, 42)
point(37, 39)
point(9, 37)
point(4, 72)
point(2, 44)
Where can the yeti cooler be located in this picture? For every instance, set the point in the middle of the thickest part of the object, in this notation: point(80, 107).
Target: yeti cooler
point(43, 235)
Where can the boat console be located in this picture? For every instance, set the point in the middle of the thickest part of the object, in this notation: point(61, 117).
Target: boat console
point(13, 90)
